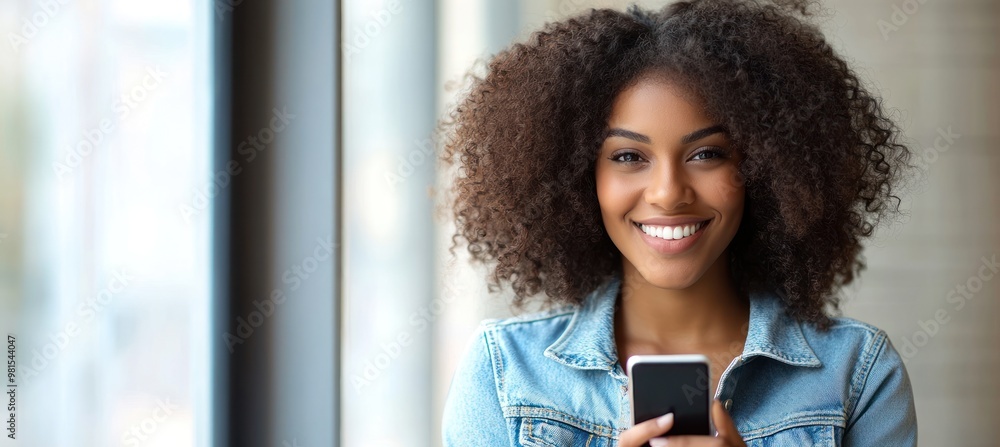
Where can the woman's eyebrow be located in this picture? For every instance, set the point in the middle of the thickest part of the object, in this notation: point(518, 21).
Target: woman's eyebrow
point(618, 132)
point(691, 137)
point(699, 134)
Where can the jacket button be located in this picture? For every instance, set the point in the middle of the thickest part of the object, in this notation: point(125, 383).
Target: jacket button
point(728, 404)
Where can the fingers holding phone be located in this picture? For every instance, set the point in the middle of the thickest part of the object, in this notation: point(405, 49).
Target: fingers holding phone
point(727, 435)
point(725, 426)
point(643, 432)
point(651, 432)
point(678, 384)
point(670, 395)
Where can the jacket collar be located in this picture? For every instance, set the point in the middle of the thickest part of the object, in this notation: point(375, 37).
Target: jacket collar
point(588, 340)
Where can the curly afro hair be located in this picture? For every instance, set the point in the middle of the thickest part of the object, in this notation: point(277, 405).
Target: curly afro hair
point(821, 156)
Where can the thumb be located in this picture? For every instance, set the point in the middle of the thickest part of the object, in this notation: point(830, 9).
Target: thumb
point(644, 431)
point(724, 424)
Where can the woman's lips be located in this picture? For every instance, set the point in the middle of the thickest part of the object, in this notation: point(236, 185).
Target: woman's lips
point(672, 246)
point(672, 232)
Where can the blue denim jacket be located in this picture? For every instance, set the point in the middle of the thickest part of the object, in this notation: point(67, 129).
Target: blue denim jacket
point(553, 379)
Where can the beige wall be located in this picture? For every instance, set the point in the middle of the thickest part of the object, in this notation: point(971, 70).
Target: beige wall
point(940, 70)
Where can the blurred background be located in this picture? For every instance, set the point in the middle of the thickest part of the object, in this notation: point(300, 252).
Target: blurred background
point(218, 224)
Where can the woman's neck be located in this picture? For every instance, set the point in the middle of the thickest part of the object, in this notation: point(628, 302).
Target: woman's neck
point(709, 313)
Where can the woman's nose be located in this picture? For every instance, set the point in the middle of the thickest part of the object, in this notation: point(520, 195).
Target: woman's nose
point(669, 187)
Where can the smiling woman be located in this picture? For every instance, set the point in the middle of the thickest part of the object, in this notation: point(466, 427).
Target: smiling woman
point(707, 173)
point(663, 187)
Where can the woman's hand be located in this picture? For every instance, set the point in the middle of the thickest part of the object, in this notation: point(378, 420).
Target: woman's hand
point(648, 431)
point(644, 431)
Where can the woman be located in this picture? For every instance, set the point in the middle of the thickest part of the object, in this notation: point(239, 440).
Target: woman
point(692, 180)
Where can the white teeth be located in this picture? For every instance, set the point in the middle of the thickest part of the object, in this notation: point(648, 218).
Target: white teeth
point(671, 233)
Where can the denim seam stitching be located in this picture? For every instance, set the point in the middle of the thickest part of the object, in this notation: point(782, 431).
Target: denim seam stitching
point(805, 419)
point(871, 353)
point(779, 355)
point(556, 348)
point(497, 365)
point(531, 434)
point(558, 416)
point(845, 322)
point(545, 315)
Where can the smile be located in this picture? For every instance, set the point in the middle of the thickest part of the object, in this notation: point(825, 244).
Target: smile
point(671, 233)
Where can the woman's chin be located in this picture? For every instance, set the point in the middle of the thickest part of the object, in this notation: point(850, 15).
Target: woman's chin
point(670, 281)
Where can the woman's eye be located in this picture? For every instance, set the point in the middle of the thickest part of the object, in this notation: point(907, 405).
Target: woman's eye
point(708, 154)
point(626, 157)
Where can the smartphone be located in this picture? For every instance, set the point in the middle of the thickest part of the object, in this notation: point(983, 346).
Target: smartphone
point(661, 384)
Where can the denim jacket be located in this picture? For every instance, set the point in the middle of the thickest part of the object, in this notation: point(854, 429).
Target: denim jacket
point(553, 378)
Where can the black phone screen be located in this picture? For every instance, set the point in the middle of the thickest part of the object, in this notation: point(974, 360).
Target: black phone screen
point(681, 388)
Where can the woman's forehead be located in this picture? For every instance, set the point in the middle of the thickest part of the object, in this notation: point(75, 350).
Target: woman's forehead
point(653, 104)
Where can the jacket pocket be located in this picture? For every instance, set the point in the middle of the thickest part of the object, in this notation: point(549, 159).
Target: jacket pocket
point(541, 427)
point(815, 428)
point(801, 436)
point(545, 433)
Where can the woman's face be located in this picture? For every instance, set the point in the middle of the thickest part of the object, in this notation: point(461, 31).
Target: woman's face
point(668, 170)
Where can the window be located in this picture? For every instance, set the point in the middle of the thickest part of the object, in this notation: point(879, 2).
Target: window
point(104, 233)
